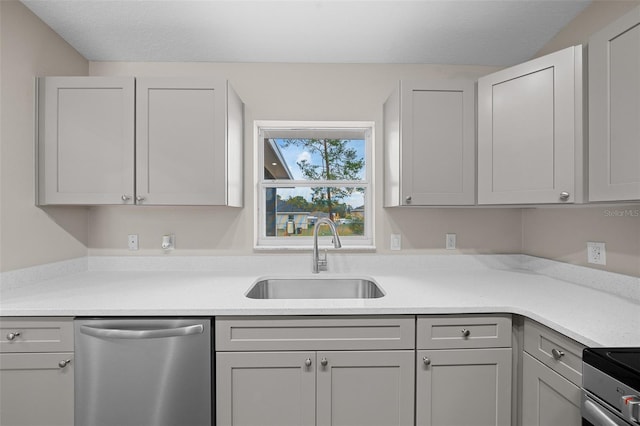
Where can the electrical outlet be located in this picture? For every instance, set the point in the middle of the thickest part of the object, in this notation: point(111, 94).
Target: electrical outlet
point(168, 242)
point(450, 243)
point(596, 253)
point(132, 241)
point(396, 241)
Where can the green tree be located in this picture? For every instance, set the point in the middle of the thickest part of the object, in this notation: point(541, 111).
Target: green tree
point(339, 162)
point(299, 202)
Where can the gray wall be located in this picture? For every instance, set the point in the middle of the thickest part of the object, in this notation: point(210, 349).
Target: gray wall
point(29, 235)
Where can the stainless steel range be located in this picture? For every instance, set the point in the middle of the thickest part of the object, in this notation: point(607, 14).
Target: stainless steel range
point(611, 387)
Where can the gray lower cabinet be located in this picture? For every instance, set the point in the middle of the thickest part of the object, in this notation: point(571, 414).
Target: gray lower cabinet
point(548, 398)
point(36, 372)
point(463, 370)
point(551, 378)
point(266, 388)
point(351, 383)
point(464, 387)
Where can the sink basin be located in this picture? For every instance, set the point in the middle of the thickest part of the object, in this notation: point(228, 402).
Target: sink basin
point(315, 288)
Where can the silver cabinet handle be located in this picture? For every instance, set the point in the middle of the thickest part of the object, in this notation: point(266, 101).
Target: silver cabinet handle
point(308, 362)
point(556, 353)
point(141, 334)
point(64, 363)
point(465, 332)
point(324, 362)
point(139, 198)
point(126, 197)
point(408, 199)
point(426, 361)
point(12, 336)
point(564, 195)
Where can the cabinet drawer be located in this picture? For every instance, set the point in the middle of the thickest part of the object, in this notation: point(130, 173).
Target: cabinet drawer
point(458, 332)
point(554, 350)
point(36, 335)
point(314, 333)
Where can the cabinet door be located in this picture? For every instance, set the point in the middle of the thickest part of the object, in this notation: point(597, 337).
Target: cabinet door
point(266, 388)
point(548, 399)
point(86, 140)
point(365, 388)
point(529, 131)
point(466, 387)
point(438, 143)
point(35, 390)
point(181, 141)
point(614, 110)
point(430, 144)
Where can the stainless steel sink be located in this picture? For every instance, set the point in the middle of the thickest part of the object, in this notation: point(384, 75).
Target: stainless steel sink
point(315, 288)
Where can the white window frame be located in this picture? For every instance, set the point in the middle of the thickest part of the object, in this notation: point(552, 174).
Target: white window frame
point(261, 241)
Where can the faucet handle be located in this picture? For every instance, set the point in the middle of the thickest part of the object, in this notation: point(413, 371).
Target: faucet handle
point(322, 260)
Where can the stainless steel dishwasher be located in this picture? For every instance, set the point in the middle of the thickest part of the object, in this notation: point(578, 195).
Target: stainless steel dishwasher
point(143, 372)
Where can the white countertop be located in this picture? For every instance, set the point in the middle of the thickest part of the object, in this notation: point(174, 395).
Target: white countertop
point(413, 285)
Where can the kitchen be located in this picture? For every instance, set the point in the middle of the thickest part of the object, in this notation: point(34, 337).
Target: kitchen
point(77, 238)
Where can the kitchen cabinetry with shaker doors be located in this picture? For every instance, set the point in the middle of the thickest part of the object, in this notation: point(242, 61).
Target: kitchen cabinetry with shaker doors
point(36, 371)
point(429, 144)
point(86, 140)
point(463, 370)
point(614, 110)
point(551, 378)
point(530, 137)
point(187, 146)
point(188, 142)
point(300, 371)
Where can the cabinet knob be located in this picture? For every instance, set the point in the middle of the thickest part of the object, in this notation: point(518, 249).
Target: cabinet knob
point(126, 197)
point(556, 353)
point(465, 332)
point(12, 336)
point(426, 361)
point(139, 198)
point(564, 195)
point(408, 199)
point(308, 362)
point(324, 362)
point(64, 363)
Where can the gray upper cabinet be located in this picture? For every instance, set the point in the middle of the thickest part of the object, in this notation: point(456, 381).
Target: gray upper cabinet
point(429, 136)
point(185, 134)
point(188, 142)
point(614, 110)
point(530, 141)
point(85, 140)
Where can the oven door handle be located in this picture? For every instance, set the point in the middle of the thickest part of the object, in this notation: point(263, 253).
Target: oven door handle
point(598, 414)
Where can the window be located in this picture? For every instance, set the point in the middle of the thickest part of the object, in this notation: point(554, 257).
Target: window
point(310, 170)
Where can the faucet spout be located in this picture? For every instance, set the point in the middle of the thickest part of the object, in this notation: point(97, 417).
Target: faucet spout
point(321, 264)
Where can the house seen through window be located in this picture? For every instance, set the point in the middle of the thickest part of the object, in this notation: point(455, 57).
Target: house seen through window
point(313, 171)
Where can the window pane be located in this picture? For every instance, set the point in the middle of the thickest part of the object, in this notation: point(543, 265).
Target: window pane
point(293, 211)
point(314, 159)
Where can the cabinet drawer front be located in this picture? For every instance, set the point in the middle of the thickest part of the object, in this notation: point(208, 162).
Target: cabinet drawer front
point(457, 332)
point(314, 333)
point(36, 335)
point(554, 350)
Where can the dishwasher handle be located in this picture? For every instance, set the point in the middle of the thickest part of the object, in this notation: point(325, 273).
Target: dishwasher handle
point(114, 333)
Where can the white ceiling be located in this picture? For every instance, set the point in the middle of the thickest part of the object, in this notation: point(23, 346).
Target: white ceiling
point(482, 32)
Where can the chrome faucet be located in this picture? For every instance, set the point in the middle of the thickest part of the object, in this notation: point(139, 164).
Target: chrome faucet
point(318, 263)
